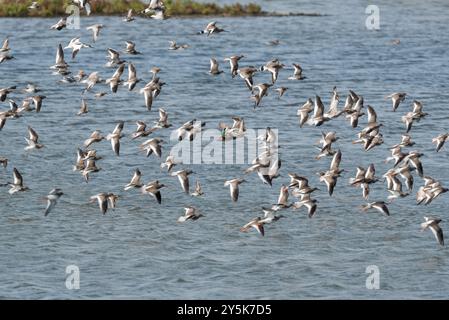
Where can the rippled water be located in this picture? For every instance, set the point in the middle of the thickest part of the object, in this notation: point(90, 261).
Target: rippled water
point(138, 250)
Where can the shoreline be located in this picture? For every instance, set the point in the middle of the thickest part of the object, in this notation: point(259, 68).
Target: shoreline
point(184, 16)
point(173, 9)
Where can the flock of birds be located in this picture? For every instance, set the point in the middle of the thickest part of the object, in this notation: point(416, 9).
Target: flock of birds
point(406, 167)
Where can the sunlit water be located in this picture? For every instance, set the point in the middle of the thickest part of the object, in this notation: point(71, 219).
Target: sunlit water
point(138, 250)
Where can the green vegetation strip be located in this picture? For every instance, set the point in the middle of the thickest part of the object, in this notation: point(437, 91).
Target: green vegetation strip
point(50, 8)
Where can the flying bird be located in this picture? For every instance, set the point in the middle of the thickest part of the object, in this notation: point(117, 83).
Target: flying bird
point(153, 188)
point(234, 63)
point(94, 137)
point(96, 28)
point(211, 28)
point(440, 140)
point(380, 206)
point(83, 4)
point(151, 146)
point(198, 190)
point(52, 198)
point(191, 213)
point(129, 16)
point(255, 223)
point(183, 177)
point(115, 136)
point(33, 140)
point(17, 185)
point(102, 199)
point(396, 98)
point(135, 181)
point(234, 188)
point(83, 108)
point(61, 24)
point(297, 74)
point(433, 225)
point(76, 45)
point(214, 67)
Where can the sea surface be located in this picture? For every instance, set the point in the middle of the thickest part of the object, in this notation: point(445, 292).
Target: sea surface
point(139, 250)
